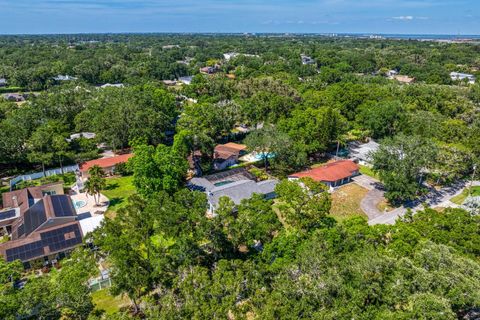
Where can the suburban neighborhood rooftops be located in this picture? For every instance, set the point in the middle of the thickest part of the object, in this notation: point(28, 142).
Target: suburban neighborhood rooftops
point(330, 172)
point(105, 162)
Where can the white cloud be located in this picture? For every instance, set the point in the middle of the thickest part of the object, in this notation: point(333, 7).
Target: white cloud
point(404, 18)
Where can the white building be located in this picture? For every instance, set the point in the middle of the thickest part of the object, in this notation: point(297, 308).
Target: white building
point(458, 76)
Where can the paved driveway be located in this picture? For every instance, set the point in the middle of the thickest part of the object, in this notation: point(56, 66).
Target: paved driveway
point(367, 182)
point(434, 198)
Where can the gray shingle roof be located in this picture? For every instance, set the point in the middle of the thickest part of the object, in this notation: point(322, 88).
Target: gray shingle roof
point(239, 190)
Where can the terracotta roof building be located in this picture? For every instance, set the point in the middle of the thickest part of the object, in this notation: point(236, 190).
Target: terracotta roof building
point(333, 174)
point(107, 164)
point(226, 155)
point(41, 223)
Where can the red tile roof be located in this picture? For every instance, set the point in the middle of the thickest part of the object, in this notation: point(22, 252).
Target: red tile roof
point(105, 162)
point(330, 172)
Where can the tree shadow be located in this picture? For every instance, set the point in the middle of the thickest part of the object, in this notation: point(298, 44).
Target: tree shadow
point(112, 186)
point(116, 201)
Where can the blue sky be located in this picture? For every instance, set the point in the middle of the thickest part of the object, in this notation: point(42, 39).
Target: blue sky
point(319, 16)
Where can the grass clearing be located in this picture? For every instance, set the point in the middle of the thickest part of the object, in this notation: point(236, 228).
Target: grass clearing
point(368, 172)
point(384, 206)
point(346, 201)
point(103, 300)
point(459, 199)
point(117, 191)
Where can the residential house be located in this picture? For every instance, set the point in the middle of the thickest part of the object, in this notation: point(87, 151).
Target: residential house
point(230, 55)
point(457, 76)
point(169, 82)
point(209, 70)
point(362, 152)
point(64, 78)
point(404, 79)
point(3, 82)
point(110, 85)
point(107, 164)
point(41, 223)
point(237, 184)
point(307, 60)
point(186, 80)
point(15, 97)
point(332, 174)
point(226, 155)
point(185, 61)
point(86, 135)
point(391, 73)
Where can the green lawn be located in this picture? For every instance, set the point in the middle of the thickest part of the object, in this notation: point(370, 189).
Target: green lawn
point(346, 201)
point(103, 300)
point(462, 196)
point(117, 191)
point(368, 172)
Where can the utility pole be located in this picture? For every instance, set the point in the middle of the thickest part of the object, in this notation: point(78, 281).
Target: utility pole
point(471, 182)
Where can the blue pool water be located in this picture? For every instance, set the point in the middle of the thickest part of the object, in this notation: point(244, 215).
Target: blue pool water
point(79, 204)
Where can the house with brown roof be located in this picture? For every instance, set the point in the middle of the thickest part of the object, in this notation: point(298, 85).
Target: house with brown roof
point(226, 155)
point(404, 79)
point(41, 223)
point(107, 164)
point(332, 174)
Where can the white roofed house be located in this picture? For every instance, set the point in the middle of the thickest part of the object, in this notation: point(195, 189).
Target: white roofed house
point(186, 80)
point(458, 76)
point(64, 78)
point(3, 82)
point(237, 184)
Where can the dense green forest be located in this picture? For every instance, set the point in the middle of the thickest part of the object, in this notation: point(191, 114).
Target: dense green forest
point(167, 257)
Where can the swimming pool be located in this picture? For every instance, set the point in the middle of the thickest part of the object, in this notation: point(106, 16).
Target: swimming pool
point(77, 204)
point(222, 183)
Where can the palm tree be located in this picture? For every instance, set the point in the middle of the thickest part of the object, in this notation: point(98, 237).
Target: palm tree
point(95, 183)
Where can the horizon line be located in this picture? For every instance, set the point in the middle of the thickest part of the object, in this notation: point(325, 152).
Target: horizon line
point(241, 33)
